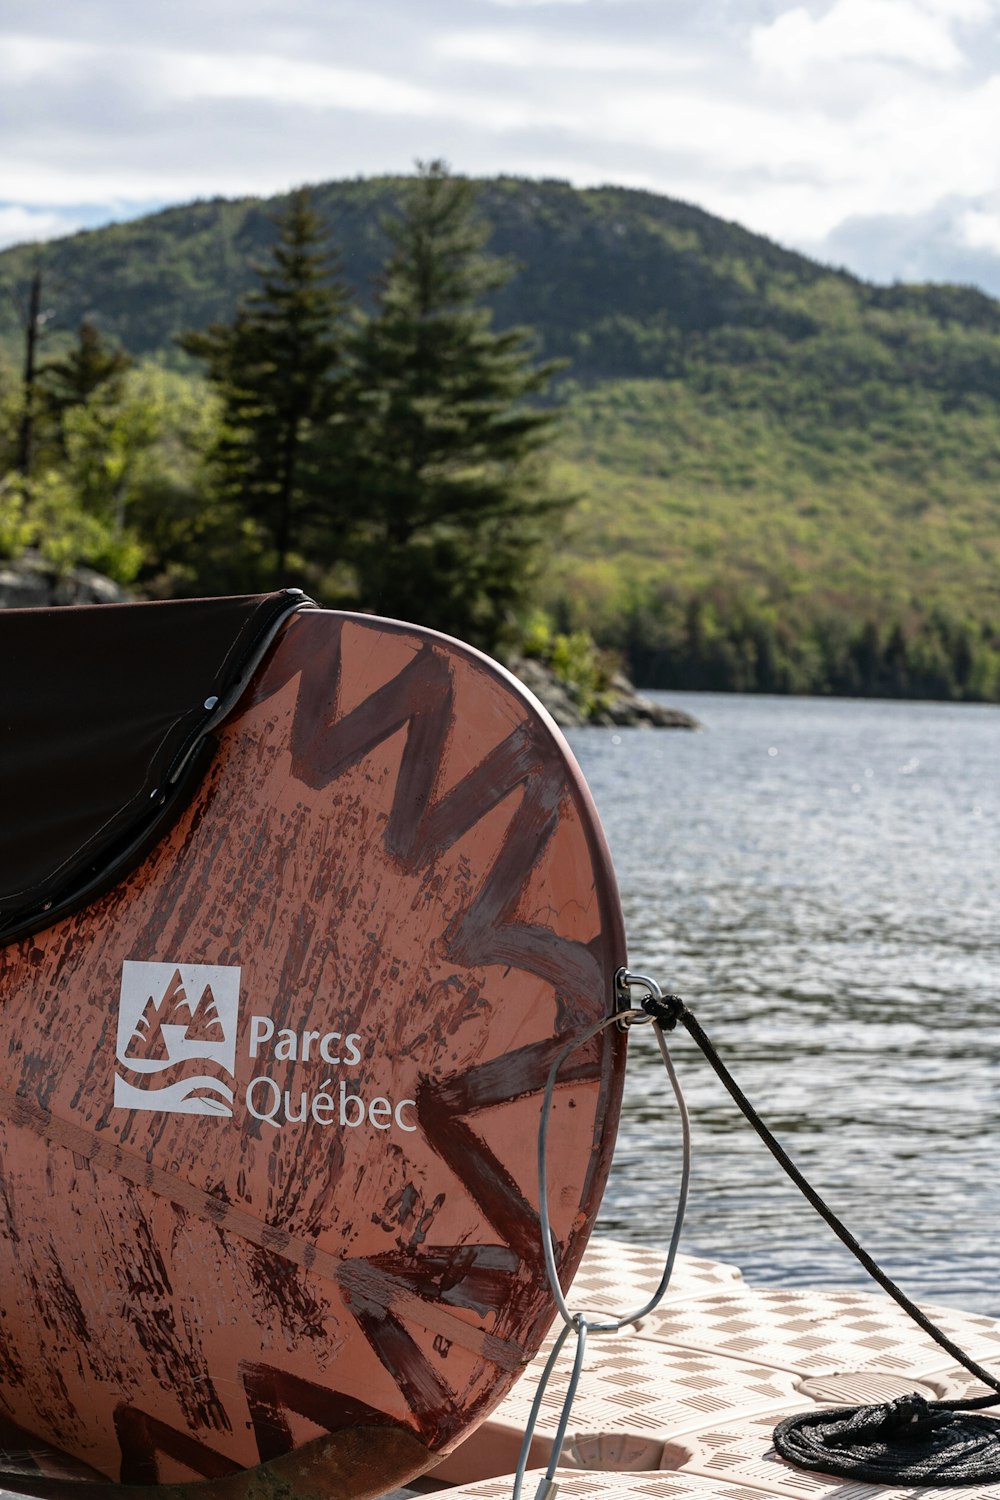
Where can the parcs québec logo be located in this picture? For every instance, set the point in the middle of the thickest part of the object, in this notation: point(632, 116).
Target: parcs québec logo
point(177, 1028)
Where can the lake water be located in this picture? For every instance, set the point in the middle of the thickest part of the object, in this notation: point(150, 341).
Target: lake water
point(820, 880)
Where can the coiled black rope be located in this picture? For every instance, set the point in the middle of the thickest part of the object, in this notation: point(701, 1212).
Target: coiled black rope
point(908, 1441)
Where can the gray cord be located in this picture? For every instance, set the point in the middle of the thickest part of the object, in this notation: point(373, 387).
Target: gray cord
point(578, 1321)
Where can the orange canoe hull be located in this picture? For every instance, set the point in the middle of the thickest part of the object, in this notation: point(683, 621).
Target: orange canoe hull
point(268, 1115)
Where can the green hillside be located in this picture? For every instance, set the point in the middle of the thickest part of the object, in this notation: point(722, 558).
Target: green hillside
point(783, 472)
point(611, 278)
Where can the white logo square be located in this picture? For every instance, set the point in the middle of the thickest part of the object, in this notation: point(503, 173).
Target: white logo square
point(175, 1023)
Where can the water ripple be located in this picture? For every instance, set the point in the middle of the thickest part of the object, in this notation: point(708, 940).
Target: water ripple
point(831, 913)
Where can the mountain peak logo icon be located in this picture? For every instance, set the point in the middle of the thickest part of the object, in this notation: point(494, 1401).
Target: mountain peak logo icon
point(175, 1022)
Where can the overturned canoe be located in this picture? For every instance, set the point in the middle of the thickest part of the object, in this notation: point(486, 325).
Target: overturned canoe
point(273, 1066)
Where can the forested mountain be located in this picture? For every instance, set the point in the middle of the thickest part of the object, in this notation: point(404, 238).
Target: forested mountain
point(621, 282)
point(787, 477)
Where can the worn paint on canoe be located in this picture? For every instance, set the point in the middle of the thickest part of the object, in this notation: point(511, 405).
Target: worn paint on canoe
point(345, 972)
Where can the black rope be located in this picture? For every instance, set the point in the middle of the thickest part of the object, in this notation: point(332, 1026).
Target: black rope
point(907, 1441)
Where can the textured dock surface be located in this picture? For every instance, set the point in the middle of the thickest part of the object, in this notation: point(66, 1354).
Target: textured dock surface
point(682, 1404)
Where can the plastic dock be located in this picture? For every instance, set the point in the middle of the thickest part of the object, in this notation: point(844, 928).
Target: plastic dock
point(681, 1406)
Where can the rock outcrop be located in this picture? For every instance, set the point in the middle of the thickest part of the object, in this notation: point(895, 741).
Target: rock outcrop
point(32, 583)
point(621, 705)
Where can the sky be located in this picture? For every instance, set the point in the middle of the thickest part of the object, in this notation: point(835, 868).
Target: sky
point(865, 133)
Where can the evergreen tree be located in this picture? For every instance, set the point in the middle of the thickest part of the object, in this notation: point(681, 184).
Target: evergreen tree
point(278, 368)
point(34, 323)
point(91, 370)
point(87, 429)
point(446, 448)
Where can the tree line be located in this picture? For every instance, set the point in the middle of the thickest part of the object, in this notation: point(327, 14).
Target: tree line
point(721, 642)
point(392, 460)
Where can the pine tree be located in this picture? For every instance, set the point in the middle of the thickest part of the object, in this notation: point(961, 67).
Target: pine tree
point(446, 445)
point(90, 370)
point(34, 322)
point(93, 435)
point(278, 368)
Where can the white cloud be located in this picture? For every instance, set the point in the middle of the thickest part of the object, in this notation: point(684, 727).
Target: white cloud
point(732, 136)
point(27, 59)
point(185, 75)
point(981, 229)
point(19, 224)
point(919, 247)
point(286, 81)
point(178, 76)
point(900, 31)
point(926, 145)
point(540, 4)
point(527, 49)
point(793, 117)
point(124, 189)
point(967, 11)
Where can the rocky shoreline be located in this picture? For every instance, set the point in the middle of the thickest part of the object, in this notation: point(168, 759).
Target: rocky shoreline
point(621, 706)
point(30, 583)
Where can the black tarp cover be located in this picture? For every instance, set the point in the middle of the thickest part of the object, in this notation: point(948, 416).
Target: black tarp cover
point(102, 709)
